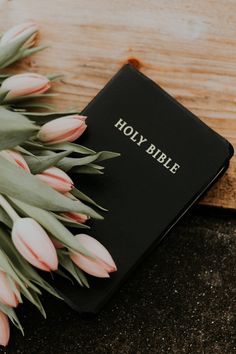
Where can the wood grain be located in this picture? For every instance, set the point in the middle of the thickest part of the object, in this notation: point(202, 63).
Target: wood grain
point(188, 47)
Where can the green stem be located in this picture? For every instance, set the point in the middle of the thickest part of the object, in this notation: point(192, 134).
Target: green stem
point(8, 209)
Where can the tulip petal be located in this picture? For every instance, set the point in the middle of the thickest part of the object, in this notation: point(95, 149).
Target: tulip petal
point(67, 128)
point(73, 136)
point(57, 179)
point(96, 248)
point(25, 84)
point(34, 244)
point(4, 329)
point(101, 265)
point(89, 266)
point(27, 253)
point(18, 159)
point(81, 218)
point(18, 30)
point(7, 296)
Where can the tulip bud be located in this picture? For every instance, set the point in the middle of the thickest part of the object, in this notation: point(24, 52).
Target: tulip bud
point(33, 244)
point(78, 217)
point(16, 158)
point(68, 128)
point(56, 179)
point(18, 31)
point(101, 265)
point(7, 295)
point(25, 84)
point(4, 329)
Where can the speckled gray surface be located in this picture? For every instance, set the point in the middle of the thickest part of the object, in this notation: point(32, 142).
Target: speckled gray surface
point(182, 299)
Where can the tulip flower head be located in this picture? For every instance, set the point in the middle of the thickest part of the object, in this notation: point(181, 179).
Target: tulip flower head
point(33, 243)
point(16, 158)
point(57, 179)
point(18, 31)
point(25, 84)
point(7, 295)
point(78, 217)
point(101, 265)
point(68, 128)
point(4, 329)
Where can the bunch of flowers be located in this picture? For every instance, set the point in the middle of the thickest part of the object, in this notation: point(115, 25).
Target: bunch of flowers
point(39, 203)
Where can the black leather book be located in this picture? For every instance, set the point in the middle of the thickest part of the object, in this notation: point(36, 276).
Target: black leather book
point(169, 157)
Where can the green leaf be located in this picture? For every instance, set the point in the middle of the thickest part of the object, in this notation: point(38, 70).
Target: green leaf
point(86, 169)
point(4, 76)
point(72, 269)
point(41, 152)
point(3, 94)
point(23, 151)
point(14, 288)
point(55, 76)
point(23, 267)
point(5, 219)
point(37, 105)
point(20, 99)
point(64, 275)
point(17, 183)
point(71, 147)
point(14, 129)
point(38, 164)
point(76, 148)
point(7, 266)
point(52, 225)
point(52, 115)
point(98, 167)
point(45, 117)
point(12, 316)
point(78, 194)
point(38, 303)
point(69, 162)
point(18, 262)
point(25, 52)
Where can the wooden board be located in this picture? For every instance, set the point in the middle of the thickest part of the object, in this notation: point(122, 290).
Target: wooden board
point(187, 46)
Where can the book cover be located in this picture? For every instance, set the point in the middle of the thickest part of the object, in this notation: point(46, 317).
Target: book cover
point(169, 157)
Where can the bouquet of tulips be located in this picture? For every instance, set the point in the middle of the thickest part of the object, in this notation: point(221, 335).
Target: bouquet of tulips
point(39, 203)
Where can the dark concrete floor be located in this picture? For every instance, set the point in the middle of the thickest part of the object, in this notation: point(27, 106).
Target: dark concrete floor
point(182, 299)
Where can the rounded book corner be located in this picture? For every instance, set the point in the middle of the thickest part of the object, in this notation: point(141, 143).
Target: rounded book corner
point(230, 149)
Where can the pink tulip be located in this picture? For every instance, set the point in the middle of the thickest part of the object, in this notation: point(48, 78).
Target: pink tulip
point(16, 158)
point(33, 244)
point(7, 295)
point(25, 84)
point(18, 31)
point(78, 217)
point(4, 329)
point(57, 179)
point(68, 128)
point(101, 265)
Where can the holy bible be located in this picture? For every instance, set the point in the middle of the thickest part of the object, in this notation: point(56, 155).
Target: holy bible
point(169, 158)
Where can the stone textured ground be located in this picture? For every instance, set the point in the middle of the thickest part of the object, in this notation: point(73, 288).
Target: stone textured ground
point(182, 299)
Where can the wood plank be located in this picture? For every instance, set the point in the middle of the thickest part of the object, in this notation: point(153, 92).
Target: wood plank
point(188, 47)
